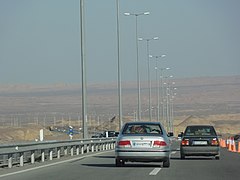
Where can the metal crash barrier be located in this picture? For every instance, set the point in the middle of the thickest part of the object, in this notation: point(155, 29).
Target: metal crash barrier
point(30, 153)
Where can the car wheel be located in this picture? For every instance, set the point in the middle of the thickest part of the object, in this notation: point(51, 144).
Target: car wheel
point(217, 157)
point(119, 162)
point(166, 163)
point(182, 156)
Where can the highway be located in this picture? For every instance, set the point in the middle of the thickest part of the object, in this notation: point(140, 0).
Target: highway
point(101, 166)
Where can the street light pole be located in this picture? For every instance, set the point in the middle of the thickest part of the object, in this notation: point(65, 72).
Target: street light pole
point(138, 74)
point(157, 84)
point(168, 103)
point(162, 92)
point(119, 70)
point(83, 68)
point(149, 78)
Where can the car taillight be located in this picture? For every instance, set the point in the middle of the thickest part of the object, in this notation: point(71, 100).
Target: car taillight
point(159, 143)
point(185, 142)
point(214, 142)
point(124, 143)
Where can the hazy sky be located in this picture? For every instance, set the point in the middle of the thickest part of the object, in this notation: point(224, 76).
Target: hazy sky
point(40, 40)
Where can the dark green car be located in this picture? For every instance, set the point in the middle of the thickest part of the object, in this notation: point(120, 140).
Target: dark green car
point(200, 140)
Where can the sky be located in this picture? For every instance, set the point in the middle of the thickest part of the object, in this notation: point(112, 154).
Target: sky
point(40, 40)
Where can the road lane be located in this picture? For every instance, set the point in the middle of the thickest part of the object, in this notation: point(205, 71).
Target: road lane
point(101, 166)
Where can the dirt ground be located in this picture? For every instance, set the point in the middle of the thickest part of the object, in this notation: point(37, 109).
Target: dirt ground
point(225, 124)
point(25, 109)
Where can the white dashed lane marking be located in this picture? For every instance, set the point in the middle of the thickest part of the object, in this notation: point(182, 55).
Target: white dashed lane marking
point(154, 171)
point(173, 152)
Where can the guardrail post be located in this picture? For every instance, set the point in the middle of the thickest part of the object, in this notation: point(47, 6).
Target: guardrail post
point(10, 158)
point(72, 150)
point(32, 157)
point(93, 145)
point(21, 159)
point(87, 148)
point(43, 155)
point(77, 149)
point(65, 150)
point(50, 154)
point(96, 148)
point(58, 152)
point(82, 149)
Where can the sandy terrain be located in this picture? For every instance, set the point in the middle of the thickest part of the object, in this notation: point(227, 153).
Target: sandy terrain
point(25, 109)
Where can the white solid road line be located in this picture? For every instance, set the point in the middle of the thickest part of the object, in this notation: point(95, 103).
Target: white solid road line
point(154, 171)
point(52, 164)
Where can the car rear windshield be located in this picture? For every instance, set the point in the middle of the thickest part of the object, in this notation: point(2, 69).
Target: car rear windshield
point(200, 131)
point(142, 129)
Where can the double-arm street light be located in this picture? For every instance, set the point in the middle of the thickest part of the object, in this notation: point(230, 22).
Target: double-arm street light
point(138, 75)
point(162, 92)
point(157, 83)
point(149, 78)
point(172, 96)
point(168, 122)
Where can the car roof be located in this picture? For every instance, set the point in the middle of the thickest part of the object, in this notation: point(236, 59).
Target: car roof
point(141, 122)
point(199, 125)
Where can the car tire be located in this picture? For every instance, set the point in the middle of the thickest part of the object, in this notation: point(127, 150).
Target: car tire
point(182, 156)
point(119, 162)
point(217, 157)
point(166, 163)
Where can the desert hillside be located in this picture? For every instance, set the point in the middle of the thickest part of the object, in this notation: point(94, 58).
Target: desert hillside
point(25, 109)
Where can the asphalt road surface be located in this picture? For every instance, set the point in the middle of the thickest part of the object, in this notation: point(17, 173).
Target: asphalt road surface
point(101, 166)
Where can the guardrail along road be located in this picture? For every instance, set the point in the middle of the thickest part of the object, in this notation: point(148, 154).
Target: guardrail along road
point(101, 166)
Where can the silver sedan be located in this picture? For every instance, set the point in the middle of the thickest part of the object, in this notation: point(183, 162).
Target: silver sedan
point(142, 142)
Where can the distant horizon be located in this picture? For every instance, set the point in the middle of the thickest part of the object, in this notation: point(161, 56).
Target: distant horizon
point(63, 84)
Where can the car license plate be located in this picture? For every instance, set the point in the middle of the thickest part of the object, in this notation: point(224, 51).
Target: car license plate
point(199, 142)
point(141, 144)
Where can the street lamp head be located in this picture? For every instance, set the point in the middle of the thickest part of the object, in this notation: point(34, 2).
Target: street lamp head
point(156, 38)
point(128, 14)
point(140, 39)
point(164, 55)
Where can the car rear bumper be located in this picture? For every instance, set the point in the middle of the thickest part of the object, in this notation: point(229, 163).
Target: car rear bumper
point(200, 150)
point(142, 156)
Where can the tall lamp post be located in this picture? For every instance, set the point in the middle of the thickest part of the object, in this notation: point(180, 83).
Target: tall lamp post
point(83, 71)
point(162, 92)
point(168, 103)
point(157, 83)
point(119, 70)
point(138, 75)
point(149, 78)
